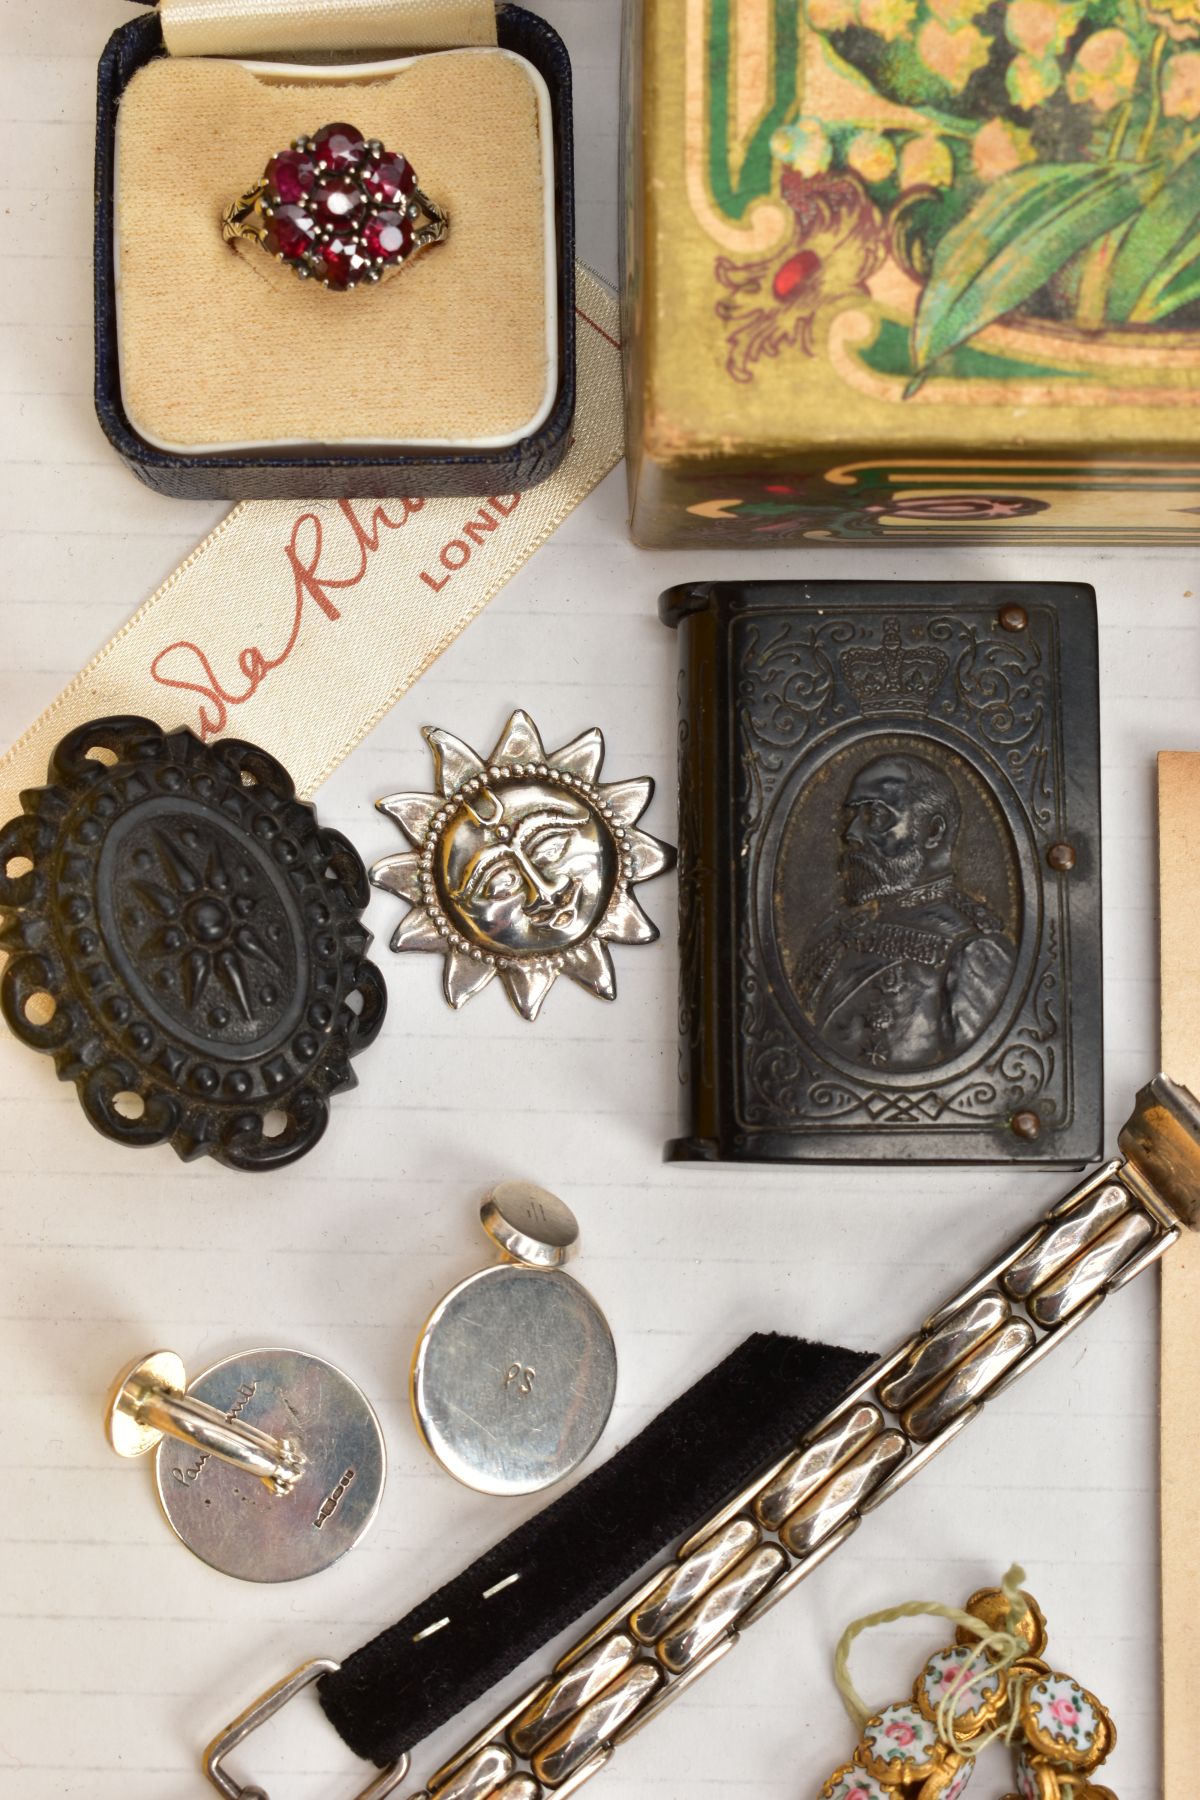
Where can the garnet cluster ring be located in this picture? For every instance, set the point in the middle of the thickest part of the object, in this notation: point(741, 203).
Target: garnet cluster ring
point(338, 208)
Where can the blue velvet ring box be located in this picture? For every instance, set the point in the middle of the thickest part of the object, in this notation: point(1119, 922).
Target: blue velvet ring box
point(314, 472)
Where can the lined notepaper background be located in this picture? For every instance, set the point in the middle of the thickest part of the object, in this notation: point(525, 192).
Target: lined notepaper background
point(120, 1654)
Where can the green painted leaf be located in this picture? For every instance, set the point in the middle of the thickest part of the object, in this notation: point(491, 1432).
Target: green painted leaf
point(1182, 289)
point(1027, 226)
point(1157, 269)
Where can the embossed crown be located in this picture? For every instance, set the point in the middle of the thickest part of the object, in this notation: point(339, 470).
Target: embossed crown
point(893, 678)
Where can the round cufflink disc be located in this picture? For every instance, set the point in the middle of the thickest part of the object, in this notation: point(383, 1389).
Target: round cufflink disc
point(229, 1519)
point(530, 1225)
point(513, 1379)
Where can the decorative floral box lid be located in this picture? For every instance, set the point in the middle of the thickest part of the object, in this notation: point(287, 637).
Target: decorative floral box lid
point(913, 269)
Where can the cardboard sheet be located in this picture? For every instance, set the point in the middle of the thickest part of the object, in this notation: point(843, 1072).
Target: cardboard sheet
point(1179, 859)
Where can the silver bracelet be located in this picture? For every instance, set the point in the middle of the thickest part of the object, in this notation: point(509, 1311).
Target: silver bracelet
point(744, 1559)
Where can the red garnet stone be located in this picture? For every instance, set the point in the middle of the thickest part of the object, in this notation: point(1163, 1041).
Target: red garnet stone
point(340, 262)
point(391, 179)
point(290, 177)
point(338, 202)
point(338, 146)
point(335, 207)
point(291, 233)
point(388, 236)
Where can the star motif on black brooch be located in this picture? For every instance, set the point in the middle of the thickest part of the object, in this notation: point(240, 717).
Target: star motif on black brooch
point(199, 933)
point(203, 928)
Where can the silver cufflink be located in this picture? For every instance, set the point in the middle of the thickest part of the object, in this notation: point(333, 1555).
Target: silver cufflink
point(269, 1466)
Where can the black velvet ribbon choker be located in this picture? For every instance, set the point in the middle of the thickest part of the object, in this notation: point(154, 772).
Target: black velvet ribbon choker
point(578, 1551)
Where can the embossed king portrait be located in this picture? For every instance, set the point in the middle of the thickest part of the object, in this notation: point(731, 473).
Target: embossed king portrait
point(914, 952)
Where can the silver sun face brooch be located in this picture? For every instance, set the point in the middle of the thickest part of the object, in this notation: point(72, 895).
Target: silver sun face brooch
point(523, 866)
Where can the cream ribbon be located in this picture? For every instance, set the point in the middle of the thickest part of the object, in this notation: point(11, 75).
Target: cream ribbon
point(259, 27)
point(298, 624)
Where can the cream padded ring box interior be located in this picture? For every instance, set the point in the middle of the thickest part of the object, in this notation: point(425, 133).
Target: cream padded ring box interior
point(223, 349)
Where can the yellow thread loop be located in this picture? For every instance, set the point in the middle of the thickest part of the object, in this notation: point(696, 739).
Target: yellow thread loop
point(995, 1653)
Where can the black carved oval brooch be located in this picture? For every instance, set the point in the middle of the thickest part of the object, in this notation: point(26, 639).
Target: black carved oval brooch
point(186, 941)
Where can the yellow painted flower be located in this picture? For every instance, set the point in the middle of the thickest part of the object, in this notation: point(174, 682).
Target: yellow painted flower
point(954, 13)
point(953, 55)
point(803, 146)
point(1180, 19)
point(1181, 86)
point(871, 155)
point(1040, 27)
point(890, 18)
point(1000, 148)
point(1105, 71)
point(831, 15)
point(1030, 80)
point(926, 162)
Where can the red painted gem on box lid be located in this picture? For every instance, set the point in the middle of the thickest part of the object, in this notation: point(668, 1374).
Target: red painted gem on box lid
point(791, 277)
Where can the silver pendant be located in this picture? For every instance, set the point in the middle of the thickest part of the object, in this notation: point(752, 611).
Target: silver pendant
point(514, 1374)
point(269, 1466)
point(523, 865)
